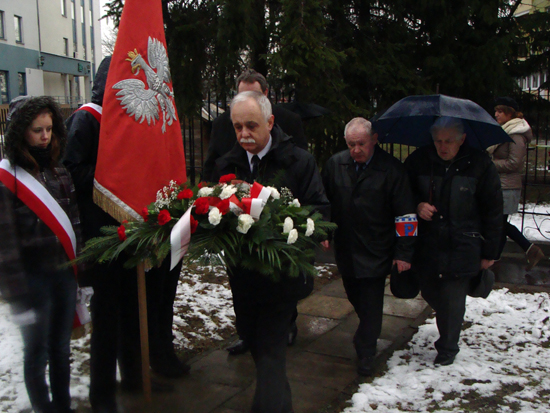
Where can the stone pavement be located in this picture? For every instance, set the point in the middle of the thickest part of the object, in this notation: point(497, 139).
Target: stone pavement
point(321, 366)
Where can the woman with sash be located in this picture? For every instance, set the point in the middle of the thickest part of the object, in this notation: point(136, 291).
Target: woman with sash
point(39, 228)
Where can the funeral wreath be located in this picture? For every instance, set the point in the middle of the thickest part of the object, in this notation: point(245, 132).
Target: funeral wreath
point(231, 223)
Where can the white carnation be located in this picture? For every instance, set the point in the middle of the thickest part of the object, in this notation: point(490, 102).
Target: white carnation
point(295, 203)
point(214, 216)
point(227, 191)
point(288, 225)
point(292, 236)
point(205, 191)
point(274, 193)
point(310, 227)
point(245, 221)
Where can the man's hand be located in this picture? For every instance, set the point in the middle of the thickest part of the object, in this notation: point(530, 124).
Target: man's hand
point(401, 265)
point(486, 263)
point(325, 245)
point(426, 211)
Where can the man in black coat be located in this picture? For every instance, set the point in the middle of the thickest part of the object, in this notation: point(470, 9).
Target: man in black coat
point(459, 204)
point(368, 189)
point(263, 307)
point(222, 136)
point(114, 305)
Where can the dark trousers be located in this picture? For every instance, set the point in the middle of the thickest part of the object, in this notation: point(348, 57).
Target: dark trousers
point(266, 327)
point(115, 334)
point(511, 231)
point(161, 293)
point(47, 341)
point(447, 296)
point(367, 297)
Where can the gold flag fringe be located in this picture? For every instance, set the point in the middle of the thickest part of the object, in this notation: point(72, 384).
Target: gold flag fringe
point(111, 207)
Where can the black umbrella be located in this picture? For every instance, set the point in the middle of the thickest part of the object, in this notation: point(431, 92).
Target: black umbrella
point(408, 121)
point(306, 110)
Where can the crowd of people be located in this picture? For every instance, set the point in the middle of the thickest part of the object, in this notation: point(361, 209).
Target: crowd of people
point(457, 199)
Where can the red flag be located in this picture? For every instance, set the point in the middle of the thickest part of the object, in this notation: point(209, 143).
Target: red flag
point(140, 145)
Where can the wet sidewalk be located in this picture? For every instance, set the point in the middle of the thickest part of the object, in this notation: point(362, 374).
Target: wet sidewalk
point(321, 366)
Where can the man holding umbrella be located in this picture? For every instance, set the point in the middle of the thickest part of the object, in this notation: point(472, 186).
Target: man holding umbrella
point(459, 206)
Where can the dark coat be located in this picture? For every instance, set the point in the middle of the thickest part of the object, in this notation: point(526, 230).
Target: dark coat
point(365, 209)
point(81, 158)
point(302, 177)
point(468, 223)
point(27, 244)
point(223, 137)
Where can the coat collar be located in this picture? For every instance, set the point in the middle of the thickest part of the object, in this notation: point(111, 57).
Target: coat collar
point(279, 151)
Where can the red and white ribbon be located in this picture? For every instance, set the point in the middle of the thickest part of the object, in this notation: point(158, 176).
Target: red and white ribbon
point(31, 192)
point(254, 205)
point(94, 109)
point(180, 237)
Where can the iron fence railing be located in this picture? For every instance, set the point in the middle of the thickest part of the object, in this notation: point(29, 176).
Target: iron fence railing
point(196, 136)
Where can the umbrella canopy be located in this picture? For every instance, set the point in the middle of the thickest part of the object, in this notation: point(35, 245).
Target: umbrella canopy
point(306, 110)
point(408, 121)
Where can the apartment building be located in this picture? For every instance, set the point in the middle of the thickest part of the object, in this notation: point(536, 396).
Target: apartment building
point(49, 47)
point(532, 82)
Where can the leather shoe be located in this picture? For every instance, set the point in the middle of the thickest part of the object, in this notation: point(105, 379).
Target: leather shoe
point(366, 366)
point(444, 360)
point(157, 386)
point(238, 347)
point(292, 334)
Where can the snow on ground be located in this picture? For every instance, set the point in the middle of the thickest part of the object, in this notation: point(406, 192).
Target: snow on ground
point(505, 349)
point(535, 227)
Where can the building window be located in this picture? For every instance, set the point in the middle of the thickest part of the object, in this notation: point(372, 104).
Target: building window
point(75, 44)
point(3, 87)
point(64, 8)
point(22, 78)
point(66, 46)
point(83, 27)
point(2, 32)
point(18, 23)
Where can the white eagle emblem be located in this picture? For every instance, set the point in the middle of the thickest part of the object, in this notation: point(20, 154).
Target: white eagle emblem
point(144, 103)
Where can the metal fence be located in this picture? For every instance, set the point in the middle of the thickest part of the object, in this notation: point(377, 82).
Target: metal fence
point(196, 136)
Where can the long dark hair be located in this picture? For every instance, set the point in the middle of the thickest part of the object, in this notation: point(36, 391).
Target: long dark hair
point(17, 148)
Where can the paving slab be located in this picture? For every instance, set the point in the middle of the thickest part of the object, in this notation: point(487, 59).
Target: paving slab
point(325, 306)
point(410, 308)
point(334, 289)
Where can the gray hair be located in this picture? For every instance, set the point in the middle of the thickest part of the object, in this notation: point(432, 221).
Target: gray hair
point(262, 101)
point(446, 122)
point(361, 123)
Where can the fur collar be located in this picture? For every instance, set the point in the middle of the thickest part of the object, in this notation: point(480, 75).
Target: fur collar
point(516, 126)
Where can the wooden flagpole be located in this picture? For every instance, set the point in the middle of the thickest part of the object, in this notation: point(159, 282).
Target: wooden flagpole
point(144, 332)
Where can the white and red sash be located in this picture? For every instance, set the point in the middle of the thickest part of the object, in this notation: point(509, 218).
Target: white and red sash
point(94, 109)
point(33, 194)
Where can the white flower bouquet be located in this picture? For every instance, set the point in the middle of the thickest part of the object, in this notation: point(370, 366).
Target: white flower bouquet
point(230, 224)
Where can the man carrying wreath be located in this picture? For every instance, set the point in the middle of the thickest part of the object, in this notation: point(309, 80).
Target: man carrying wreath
point(264, 307)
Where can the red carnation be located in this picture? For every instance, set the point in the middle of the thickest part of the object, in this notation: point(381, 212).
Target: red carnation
point(202, 206)
point(223, 206)
point(185, 194)
point(122, 233)
point(194, 224)
point(202, 185)
point(145, 214)
point(164, 217)
point(227, 178)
